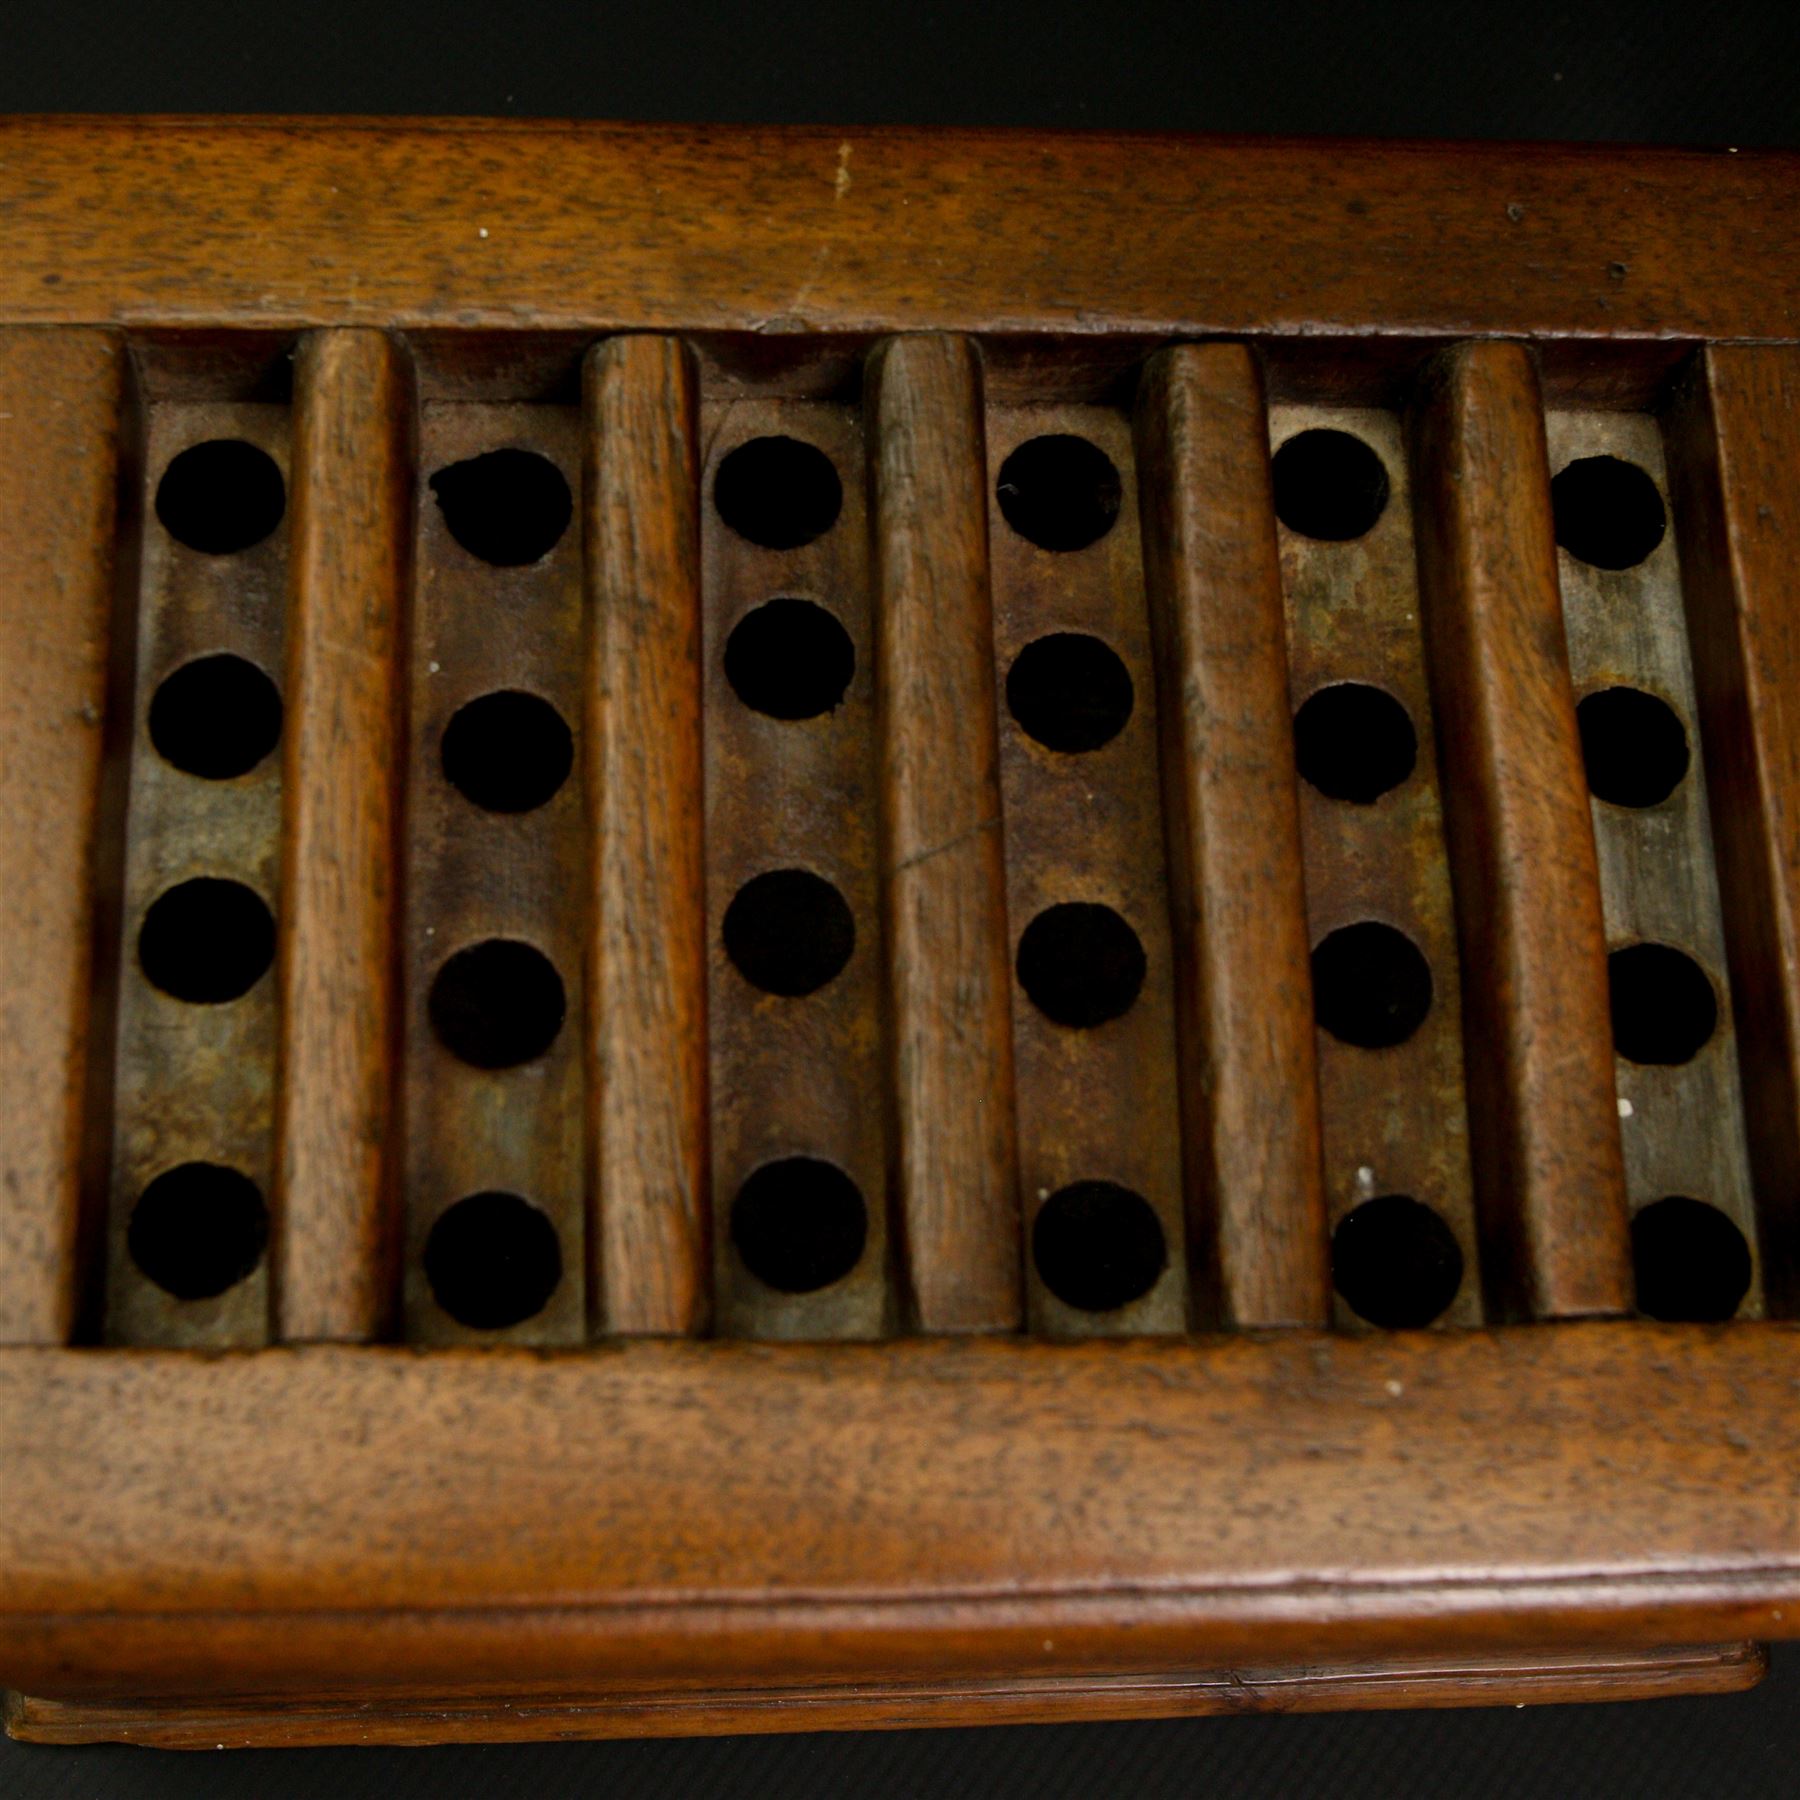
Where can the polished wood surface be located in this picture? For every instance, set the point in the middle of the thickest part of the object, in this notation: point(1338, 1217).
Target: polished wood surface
point(1559, 1678)
point(61, 400)
point(648, 1243)
point(943, 873)
point(1250, 1128)
point(1072, 1375)
point(777, 231)
point(336, 1243)
point(1549, 1169)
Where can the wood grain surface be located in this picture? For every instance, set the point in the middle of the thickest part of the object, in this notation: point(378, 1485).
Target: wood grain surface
point(191, 1083)
point(649, 1244)
point(336, 1240)
point(184, 223)
point(1543, 1117)
point(943, 869)
point(1395, 1119)
point(1734, 465)
point(347, 1515)
point(1550, 1678)
point(1250, 1125)
point(62, 398)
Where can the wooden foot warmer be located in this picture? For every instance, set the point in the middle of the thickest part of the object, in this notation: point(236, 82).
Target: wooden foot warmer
point(808, 930)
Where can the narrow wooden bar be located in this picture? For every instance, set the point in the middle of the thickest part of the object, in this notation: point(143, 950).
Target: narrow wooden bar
point(1394, 1119)
point(1681, 1123)
point(793, 1076)
point(943, 871)
point(1543, 1119)
point(1244, 1025)
point(1734, 465)
point(336, 1142)
point(648, 1237)
point(61, 398)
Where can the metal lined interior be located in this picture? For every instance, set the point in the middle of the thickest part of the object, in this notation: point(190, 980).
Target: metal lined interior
point(494, 1166)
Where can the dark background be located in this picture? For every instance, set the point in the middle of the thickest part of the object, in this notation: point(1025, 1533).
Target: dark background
point(1655, 71)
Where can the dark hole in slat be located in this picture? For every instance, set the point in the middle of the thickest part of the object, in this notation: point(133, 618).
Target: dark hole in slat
point(1692, 1262)
point(1081, 964)
point(1060, 492)
point(1371, 985)
point(1329, 485)
point(1664, 1009)
point(509, 507)
point(206, 941)
point(1607, 511)
point(497, 1003)
point(789, 932)
point(1634, 745)
point(493, 1261)
point(778, 492)
point(1396, 1262)
point(1354, 742)
point(1098, 1246)
point(198, 1229)
point(1069, 691)
point(789, 659)
point(216, 717)
point(799, 1224)
point(508, 752)
point(221, 497)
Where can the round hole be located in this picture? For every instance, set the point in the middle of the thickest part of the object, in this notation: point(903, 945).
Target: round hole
point(508, 752)
point(493, 1260)
point(221, 496)
point(206, 941)
point(1693, 1265)
point(1080, 964)
point(1371, 985)
point(497, 1004)
point(1664, 1009)
point(1635, 746)
point(1329, 485)
point(1354, 742)
point(778, 492)
point(1098, 1246)
point(1396, 1263)
point(789, 659)
point(198, 1229)
point(799, 1225)
point(1607, 511)
point(216, 717)
point(509, 507)
point(1069, 691)
point(1059, 492)
point(789, 932)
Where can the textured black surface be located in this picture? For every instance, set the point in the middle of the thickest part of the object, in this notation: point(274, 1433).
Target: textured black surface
point(1604, 69)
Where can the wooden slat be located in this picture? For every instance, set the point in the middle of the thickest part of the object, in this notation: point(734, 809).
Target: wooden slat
point(472, 875)
point(648, 1239)
point(336, 1225)
point(777, 230)
point(195, 1083)
point(1102, 1103)
point(61, 396)
point(1734, 464)
point(200, 1722)
point(794, 1075)
point(346, 1515)
point(943, 872)
point(1395, 1120)
point(1681, 1124)
point(1250, 1128)
point(1543, 1121)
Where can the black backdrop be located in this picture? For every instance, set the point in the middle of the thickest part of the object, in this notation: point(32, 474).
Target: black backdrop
point(1664, 71)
